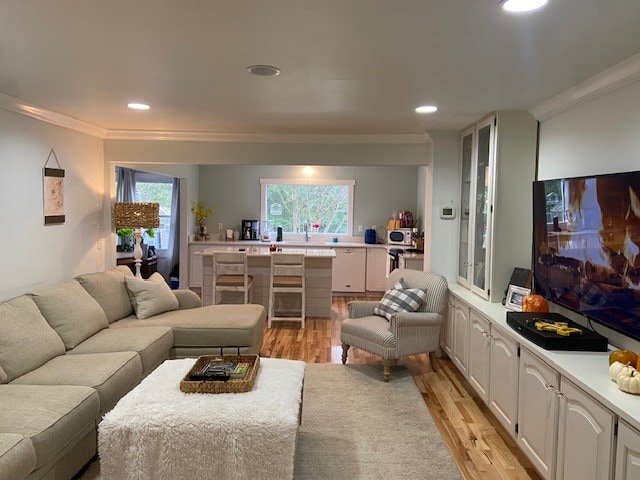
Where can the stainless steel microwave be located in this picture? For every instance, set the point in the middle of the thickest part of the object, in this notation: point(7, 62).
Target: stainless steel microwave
point(399, 236)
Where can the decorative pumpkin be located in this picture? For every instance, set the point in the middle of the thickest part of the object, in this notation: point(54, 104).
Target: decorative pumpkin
point(534, 303)
point(615, 369)
point(623, 356)
point(628, 380)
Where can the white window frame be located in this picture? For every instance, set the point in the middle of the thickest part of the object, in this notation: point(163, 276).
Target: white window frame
point(305, 181)
point(148, 177)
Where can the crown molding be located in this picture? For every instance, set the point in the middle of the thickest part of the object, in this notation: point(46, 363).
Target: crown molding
point(19, 106)
point(409, 138)
point(624, 73)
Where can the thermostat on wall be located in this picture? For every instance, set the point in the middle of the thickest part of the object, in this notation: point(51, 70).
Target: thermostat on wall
point(448, 212)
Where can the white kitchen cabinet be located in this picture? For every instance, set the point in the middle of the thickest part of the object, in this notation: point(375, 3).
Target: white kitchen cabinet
point(446, 331)
point(195, 265)
point(461, 339)
point(493, 369)
point(376, 269)
point(503, 374)
point(479, 354)
point(349, 269)
point(501, 145)
point(538, 412)
point(585, 436)
point(627, 453)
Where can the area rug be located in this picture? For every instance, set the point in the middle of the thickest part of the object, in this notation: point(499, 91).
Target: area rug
point(355, 426)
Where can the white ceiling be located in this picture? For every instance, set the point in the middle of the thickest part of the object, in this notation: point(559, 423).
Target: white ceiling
point(348, 66)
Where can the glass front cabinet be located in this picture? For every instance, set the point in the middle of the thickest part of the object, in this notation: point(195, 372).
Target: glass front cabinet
point(497, 168)
point(477, 171)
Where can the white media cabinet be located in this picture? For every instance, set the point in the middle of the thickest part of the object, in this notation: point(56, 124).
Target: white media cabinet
point(561, 407)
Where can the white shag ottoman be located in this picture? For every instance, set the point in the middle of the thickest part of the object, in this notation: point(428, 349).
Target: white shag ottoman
point(157, 432)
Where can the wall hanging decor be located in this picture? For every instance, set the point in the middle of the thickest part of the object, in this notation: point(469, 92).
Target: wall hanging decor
point(53, 189)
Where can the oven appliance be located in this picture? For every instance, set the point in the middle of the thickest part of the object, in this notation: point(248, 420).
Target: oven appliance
point(400, 236)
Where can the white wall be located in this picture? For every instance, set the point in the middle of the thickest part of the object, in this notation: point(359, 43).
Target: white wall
point(32, 253)
point(446, 191)
point(599, 136)
point(235, 191)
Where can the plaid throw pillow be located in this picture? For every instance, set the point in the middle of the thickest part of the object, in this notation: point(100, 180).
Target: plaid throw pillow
point(400, 300)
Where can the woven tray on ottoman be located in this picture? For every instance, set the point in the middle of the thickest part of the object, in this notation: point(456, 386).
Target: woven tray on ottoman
point(232, 385)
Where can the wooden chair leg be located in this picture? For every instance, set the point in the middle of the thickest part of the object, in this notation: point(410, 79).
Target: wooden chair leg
point(345, 349)
point(433, 361)
point(386, 368)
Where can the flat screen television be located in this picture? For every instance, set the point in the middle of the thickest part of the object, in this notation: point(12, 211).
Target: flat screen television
point(586, 248)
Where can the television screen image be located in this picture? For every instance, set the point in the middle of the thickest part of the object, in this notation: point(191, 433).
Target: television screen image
point(587, 247)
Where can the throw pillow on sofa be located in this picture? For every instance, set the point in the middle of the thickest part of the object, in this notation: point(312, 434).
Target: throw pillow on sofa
point(71, 311)
point(109, 290)
point(150, 297)
point(27, 341)
point(402, 299)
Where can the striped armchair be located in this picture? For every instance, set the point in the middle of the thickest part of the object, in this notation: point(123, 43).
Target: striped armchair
point(407, 333)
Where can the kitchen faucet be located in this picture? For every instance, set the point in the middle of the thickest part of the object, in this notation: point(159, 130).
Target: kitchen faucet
point(307, 235)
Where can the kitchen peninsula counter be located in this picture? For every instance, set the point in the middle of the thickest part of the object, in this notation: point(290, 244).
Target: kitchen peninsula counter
point(318, 274)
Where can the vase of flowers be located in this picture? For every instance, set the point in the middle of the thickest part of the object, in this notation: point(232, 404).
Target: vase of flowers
point(125, 235)
point(201, 213)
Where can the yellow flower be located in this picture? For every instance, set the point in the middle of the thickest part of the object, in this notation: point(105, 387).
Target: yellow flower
point(201, 213)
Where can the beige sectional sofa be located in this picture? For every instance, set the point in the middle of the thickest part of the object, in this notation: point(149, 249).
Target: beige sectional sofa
point(69, 352)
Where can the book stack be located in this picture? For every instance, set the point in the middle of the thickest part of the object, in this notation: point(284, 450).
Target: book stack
point(220, 369)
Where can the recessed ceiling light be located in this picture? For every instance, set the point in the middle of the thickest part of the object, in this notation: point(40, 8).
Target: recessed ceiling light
point(138, 106)
point(522, 5)
point(263, 70)
point(427, 109)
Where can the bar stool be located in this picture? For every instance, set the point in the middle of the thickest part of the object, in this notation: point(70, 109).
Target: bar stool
point(230, 275)
point(287, 276)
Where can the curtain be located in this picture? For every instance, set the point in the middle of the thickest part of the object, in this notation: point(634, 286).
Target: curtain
point(126, 190)
point(173, 246)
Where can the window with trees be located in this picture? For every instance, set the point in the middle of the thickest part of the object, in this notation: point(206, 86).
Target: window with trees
point(156, 188)
point(324, 206)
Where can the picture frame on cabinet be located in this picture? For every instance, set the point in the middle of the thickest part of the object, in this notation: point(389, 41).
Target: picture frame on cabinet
point(515, 294)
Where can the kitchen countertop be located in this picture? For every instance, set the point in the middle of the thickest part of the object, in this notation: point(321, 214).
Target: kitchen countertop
point(255, 251)
point(413, 255)
point(294, 243)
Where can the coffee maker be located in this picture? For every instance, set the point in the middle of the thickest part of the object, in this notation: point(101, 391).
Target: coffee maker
point(250, 230)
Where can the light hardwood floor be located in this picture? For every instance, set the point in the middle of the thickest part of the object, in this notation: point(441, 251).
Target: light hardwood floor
point(480, 446)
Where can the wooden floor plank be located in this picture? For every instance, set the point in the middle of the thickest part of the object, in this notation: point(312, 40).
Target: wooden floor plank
point(480, 446)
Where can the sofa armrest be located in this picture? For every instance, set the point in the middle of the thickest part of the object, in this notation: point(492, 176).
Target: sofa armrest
point(415, 319)
point(187, 299)
point(361, 308)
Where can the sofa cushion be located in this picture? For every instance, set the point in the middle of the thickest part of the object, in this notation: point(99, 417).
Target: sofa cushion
point(109, 290)
point(17, 456)
point(372, 332)
point(52, 417)
point(150, 297)
point(213, 325)
point(26, 339)
point(151, 343)
point(112, 375)
point(71, 311)
point(400, 300)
